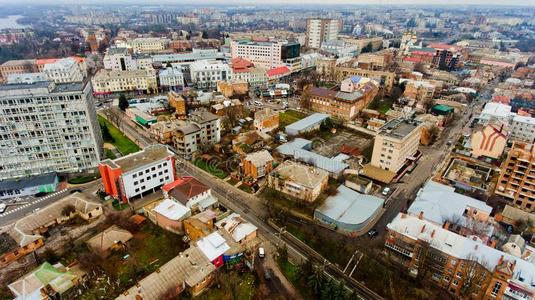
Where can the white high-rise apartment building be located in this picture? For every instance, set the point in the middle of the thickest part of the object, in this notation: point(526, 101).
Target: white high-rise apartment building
point(47, 127)
point(262, 54)
point(321, 30)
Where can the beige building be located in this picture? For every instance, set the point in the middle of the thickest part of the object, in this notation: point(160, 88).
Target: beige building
point(148, 45)
point(111, 81)
point(419, 90)
point(517, 176)
point(396, 142)
point(489, 141)
point(321, 30)
point(297, 180)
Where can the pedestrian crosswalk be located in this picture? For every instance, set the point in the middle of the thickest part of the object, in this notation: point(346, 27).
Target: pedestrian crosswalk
point(36, 201)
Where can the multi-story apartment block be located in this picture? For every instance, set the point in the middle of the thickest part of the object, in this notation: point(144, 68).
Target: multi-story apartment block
point(262, 54)
point(517, 176)
point(375, 61)
point(148, 45)
point(202, 128)
point(266, 120)
point(139, 173)
point(63, 71)
point(396, 142)
point(119, 59)
point(80, 62)
point(346, 103)
point(299, 181)
point(109, 81)
point(47, 127)
point(206, 73)
point(321, 30)
point(464, 266)
point(523, 128)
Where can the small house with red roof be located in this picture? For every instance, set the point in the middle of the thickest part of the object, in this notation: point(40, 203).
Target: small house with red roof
point(191, 193)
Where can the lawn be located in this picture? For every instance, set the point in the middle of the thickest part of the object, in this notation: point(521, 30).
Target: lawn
point(120, 141)
point(230, 286)
point(246, 188)
point(288, 117)
point(214, 170)
point(109, 154)
point(381, 105)
point(83, 179)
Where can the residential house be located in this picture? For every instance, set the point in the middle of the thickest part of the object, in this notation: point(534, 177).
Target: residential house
point(257, 164)
point(266, 120)
point(297, 180)
point(111, 239)
point(191, 193)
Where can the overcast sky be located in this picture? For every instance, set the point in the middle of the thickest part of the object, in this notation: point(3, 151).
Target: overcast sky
point(293, 2)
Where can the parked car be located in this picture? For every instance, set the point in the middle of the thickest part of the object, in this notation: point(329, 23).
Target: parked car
point(372, 233)
point(386, 191)
point(3, 208)
point(261, 252)
point(258, 103)
point(267, 274)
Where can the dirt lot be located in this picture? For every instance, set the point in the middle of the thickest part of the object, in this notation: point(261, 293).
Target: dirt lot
point(331, 146)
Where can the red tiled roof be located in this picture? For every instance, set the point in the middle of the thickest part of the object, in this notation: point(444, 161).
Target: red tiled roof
point(241, 64)
point(412, 59)
point(443, 46)
point(422, 53)
point(42, 61)
point(171, 185)
point(188, 188)
point(501, 99)
point(278, 71)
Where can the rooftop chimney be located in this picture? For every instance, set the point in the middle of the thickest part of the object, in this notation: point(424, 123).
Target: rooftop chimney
point(421, 215)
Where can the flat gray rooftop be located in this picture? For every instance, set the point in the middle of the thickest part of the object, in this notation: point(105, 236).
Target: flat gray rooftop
point(399, 128)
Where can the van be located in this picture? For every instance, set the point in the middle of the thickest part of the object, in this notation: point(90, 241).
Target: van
point(261, 252)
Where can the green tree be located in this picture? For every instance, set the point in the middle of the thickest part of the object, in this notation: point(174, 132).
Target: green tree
point(327, 289)
point(339, 291)
point(123, 103)
point(283, 253)
point(315, 281)
point(106, 135)
point(368, 48)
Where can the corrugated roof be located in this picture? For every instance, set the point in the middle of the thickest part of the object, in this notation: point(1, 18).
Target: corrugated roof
point(104, 240)
point(307, 122)
point(350, 207)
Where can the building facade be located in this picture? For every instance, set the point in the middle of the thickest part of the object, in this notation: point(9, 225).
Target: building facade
point(257, 165)
point(63, 71)
point(266, 120)
point(299, 181)
point(47, 127)
point(517, 176)
point(396, 142)
point(110, 81)
point(206, 73)
point(262, 54)
point(523, 128)
point(148, 45)
point(139, 173)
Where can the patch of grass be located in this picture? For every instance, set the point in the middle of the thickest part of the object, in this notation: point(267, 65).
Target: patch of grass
point(381, 105)
point(290, 271)
point(246, 188)
point(118, 205)
point(283, 201)
point(83, 179)
point(232, 181)
point(229, 286)
point(109, 154)
point(214, 170)
point(120, 141)
point(290, 116)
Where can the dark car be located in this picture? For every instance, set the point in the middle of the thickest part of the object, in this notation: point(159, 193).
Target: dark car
point(267, 274)
point(372, 233)
point(75, 191)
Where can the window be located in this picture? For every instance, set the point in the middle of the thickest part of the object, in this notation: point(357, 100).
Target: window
point(459, 274)
point(135, 182)
point(455, 282)
point(496, 289)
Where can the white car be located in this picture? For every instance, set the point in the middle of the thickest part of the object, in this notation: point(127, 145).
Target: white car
point(3, 207)
point(385, 191)
point(258, 103)
point(261, 252)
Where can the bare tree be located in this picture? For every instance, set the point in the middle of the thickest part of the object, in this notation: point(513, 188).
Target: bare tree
point(475, 275)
